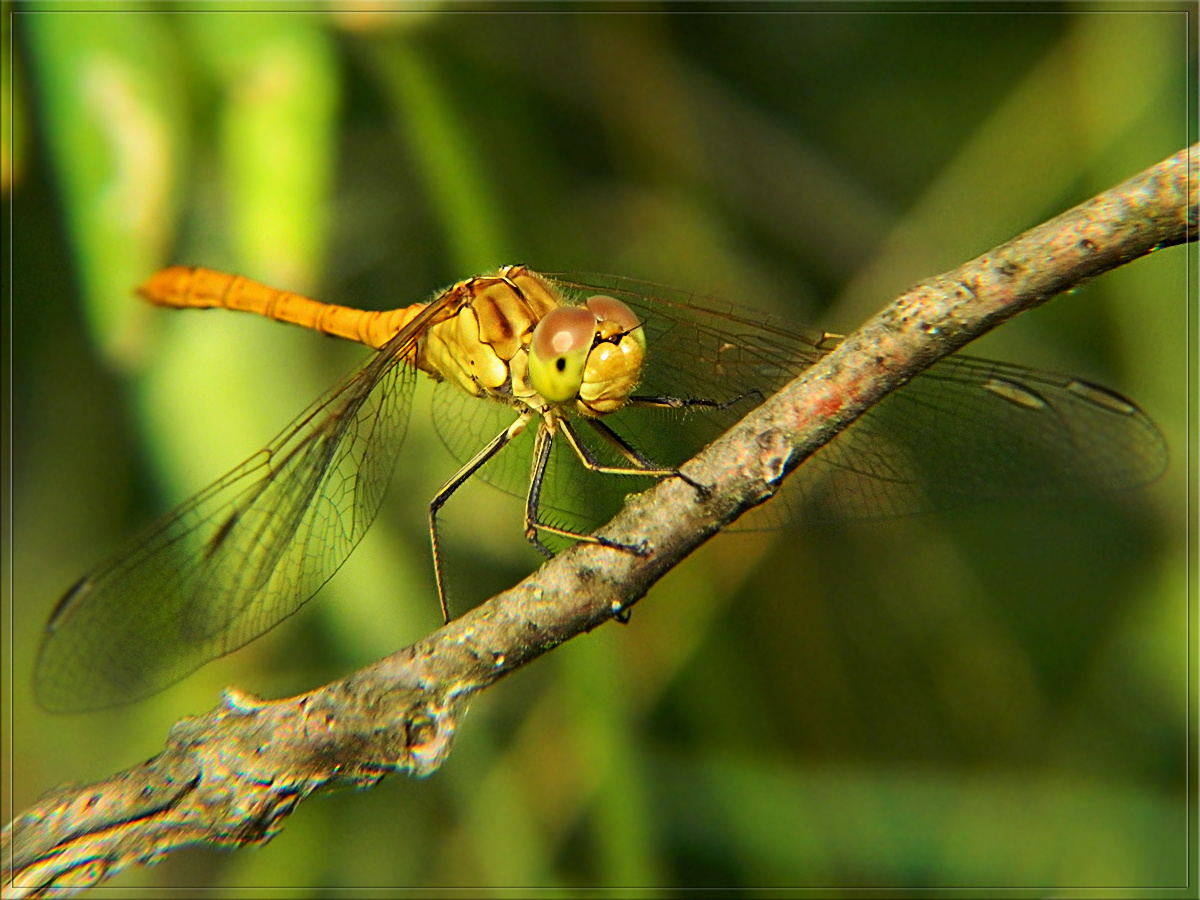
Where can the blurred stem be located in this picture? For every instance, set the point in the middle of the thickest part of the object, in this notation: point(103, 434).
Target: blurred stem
point(443, 152)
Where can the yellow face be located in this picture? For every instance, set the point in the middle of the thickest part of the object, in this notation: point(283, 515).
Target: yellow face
point(591, 355)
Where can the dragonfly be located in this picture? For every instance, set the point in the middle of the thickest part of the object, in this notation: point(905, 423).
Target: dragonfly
point(572, 392)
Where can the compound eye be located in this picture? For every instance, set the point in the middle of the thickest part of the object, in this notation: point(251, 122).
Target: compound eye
point(559, 350)
point(610, 309)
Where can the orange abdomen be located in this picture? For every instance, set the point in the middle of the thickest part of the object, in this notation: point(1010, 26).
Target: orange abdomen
point(199, 288)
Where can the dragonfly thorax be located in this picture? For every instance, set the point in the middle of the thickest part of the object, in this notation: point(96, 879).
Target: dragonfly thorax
point(514, 339)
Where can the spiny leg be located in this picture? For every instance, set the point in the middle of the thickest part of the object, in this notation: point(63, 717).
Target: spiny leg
point(439, 499)
point(665, 402)
point(693, 402)
point(642, 465)
point(541, 457)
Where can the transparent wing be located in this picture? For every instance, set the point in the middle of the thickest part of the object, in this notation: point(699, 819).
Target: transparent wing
point(963, 431)
point(240, 556)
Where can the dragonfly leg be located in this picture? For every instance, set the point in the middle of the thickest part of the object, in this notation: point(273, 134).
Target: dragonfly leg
point(694, 402)
point(641, 465)
point(533, 526)
point(672, 403)
point(439, 499)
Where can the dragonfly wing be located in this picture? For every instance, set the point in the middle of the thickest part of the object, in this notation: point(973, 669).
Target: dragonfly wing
point(465, 424)
point(237, 558)
point(969, 430)
point(963, 431)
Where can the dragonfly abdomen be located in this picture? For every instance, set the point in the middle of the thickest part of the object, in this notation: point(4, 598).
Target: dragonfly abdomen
point(187, 287)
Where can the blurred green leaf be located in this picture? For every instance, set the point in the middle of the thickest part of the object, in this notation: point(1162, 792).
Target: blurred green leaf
point(113, 108)
point(883, 827)
point(444, 153)
point(277, 95)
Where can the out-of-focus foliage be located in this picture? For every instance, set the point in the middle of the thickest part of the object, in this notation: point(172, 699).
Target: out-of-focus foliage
point(995, 697)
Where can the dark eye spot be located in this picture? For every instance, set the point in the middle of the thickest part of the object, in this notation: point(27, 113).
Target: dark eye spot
point(560, 364)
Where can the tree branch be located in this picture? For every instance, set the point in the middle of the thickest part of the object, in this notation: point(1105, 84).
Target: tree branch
point(231, 777)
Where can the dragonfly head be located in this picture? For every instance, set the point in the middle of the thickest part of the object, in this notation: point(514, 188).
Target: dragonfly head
point(591, 354)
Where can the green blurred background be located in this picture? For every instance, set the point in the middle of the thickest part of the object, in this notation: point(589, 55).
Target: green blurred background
point(996, 697)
